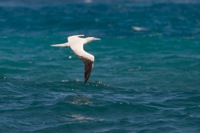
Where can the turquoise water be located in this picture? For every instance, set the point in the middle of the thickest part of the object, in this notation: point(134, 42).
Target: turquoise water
point(145, 77)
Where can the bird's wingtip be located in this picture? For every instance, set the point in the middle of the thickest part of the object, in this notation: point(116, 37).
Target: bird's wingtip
point(85, 81)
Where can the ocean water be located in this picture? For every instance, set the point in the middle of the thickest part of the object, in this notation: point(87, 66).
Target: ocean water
point(146, 76)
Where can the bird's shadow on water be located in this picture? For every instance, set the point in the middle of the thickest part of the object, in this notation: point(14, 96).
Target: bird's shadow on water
point(65, 92)
point(77, 93)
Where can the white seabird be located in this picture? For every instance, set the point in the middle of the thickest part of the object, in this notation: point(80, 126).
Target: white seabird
point(76, 43)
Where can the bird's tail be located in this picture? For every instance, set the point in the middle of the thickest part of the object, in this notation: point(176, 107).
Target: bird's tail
point(60, 45)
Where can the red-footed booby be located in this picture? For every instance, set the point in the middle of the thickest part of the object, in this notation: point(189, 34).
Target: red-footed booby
point(76, 43)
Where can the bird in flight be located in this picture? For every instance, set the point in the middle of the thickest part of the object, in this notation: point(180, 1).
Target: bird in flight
point(76, 43)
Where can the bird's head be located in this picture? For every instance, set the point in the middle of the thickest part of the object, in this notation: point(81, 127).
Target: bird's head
point(90, 39)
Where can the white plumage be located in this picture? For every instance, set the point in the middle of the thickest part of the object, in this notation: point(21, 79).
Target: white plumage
point(76, 43)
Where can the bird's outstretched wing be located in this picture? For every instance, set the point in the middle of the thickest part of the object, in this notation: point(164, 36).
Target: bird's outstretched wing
point(88, 61)
point(88, 67)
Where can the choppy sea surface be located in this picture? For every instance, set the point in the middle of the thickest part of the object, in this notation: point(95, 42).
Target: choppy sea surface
point(146, 76)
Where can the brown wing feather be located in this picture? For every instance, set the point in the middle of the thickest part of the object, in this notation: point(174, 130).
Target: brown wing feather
point(88, 67)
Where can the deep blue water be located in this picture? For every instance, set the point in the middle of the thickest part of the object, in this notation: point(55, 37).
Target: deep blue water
point(146, 75)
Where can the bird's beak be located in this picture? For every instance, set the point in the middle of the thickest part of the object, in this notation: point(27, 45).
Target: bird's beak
point(96, 38)
point(60, 45)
